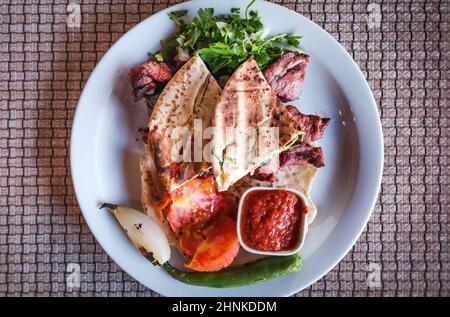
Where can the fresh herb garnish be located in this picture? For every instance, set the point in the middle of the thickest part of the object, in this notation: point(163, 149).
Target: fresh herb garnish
point(225, 41)
point(176, 16)
point(296, 143)
point(168, 49)
point(291, 146)
point(157, 56)
point(302, 136)
point(248, 7)
point(231, 159)
point(222, 158)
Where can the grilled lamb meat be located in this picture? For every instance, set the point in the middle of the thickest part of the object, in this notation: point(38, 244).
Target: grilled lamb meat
point(145, 77)
point(286, 75)
point(301, 152)
point(142, 85)
point(267, 171)
point(314, 126)
point(304, 153)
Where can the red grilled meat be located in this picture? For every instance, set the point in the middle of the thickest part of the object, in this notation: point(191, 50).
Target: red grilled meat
point(313, 125)
point(145, 77)
point(304, 153)
point(267, 171)
point(286, 75)
point(301, 152)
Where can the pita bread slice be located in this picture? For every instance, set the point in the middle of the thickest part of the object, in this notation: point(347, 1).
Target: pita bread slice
point(190, 95)
point(299, 177)
point(251, 125)
point(152, 195)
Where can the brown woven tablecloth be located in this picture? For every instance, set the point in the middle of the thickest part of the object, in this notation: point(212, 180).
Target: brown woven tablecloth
point(401, 46)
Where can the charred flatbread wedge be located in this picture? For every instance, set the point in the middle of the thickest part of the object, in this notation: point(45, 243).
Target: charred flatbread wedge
point(154, 197)
point(190, 95)
point(299, 177)
point(251, 125)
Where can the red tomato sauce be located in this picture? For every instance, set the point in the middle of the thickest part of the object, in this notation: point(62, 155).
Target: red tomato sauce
point(270, 219)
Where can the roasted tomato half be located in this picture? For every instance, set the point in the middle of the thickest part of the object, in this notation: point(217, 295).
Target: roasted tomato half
point(195, 202)
point(212, 247)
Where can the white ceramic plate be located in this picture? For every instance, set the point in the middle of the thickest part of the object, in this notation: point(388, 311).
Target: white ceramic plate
point(105, 152)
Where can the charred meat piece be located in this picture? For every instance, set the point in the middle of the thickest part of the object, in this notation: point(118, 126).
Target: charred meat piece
point(158, 71)
point(299, 154)
point(140, 91)
point(145, 77)
point(304, 153)
point(286, 75)
point(267, 171)
point(314, 126)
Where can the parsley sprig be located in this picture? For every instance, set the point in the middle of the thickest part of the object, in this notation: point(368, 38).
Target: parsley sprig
point(225, 41)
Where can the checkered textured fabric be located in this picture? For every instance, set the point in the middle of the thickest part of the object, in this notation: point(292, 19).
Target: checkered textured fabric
point(402, 48)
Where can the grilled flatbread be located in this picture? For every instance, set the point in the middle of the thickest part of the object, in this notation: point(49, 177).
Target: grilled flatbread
point(152, 195)
point(299, 177)
point(191, 94)
point(251, 125)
